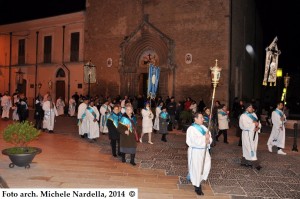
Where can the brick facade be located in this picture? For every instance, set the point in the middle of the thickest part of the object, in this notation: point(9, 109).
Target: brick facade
point(200, 27)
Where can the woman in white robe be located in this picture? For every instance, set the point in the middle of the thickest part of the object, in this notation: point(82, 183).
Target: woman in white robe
point(198, 138)
point(60, 106)
point(92, 117)
point(72, 107)
point(105, 110)
point(157, 112)
point(147, 123)
point(49, 115)
point(6, 104)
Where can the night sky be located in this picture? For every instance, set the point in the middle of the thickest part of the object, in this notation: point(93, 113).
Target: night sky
point(279, 18)
point(21, 10)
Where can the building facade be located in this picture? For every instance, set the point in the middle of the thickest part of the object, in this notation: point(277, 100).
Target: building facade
point(43, 55)
point(182, 37)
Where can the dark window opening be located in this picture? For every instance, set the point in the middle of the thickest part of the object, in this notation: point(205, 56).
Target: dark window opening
point(47, 49)
point(74, 47)
point(21, 52)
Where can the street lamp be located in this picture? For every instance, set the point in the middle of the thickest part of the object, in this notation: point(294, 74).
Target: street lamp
point(286, 80)
point(278, 88)
point(89, 66)
point(279, 73)
point(215, 78)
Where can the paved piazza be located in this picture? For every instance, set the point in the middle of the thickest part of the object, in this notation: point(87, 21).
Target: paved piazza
point(278, 178)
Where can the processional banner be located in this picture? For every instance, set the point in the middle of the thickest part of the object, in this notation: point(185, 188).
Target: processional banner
point(153, 78)
point(271, 64)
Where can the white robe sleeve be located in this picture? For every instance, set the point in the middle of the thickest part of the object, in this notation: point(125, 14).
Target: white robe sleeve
point(276, 120)
point(246, 123)
point(195, 139)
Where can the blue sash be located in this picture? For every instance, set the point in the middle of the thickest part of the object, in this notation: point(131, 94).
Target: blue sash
point(91, 111)
point(222, 112)
point(279, 112)
point(126, 122)
point(114, 118)
point(164, 115)
point(251, 116)
point(199, 128)
point(206, 118)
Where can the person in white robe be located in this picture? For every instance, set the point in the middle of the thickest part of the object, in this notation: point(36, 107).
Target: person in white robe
point(198, 139)
point(105, 110)
point(72, 107)
point(157, 112)
point(60, 106)
point(92, 117)
point(15, 115)
point(6, 105)
point(277, 136)
point(147, 123)
point(250, 126)
point(50, 113)
point(45, 97)
point(81, 116)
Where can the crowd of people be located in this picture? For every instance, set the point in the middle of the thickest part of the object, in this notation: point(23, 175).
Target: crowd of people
point(118, 118)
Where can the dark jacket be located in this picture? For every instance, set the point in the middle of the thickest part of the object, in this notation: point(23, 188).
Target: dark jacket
point(22, 109)
point(113, 132)
point(127, 141)
point(171, 108)
point(38, 112)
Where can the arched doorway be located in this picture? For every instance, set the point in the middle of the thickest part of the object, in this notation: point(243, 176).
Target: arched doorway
point(60, 85)
point(147, 44)
point(22, 87)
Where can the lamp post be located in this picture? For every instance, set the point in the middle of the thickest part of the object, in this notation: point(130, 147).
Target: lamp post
point(286, 80)
point(89, 65)
point(215, 78)
point(278, 88)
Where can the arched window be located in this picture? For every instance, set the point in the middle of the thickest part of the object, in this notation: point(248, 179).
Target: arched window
point(60, 73)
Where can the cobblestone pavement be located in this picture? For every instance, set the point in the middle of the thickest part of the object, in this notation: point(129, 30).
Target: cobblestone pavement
point(278, 178)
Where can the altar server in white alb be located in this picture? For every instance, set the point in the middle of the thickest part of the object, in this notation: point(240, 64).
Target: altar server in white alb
point(60, 106)
point(6, 104)
point(198, 138)
point(277, 136)
point(105, 111)
point(81, 116)
point(250, 126)
point(92, 116)
point(49, 114)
